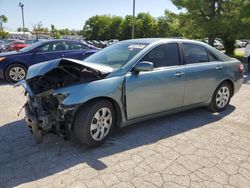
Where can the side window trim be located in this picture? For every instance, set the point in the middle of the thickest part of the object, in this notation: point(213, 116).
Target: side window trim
point(163, 67)
point(149, 50)
point(208, 51)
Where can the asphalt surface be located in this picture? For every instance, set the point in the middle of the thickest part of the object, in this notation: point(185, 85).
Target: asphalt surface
point(196, 148)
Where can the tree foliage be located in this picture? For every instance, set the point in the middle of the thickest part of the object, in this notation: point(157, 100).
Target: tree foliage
point(3, 19)
point(3, 34)
point(19, 29)
point(106, 27)
point(54, 32)
point(227, 19)
point(38, 29)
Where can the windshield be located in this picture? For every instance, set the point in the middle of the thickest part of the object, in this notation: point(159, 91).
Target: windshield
point(31, 47)
point(116, 55)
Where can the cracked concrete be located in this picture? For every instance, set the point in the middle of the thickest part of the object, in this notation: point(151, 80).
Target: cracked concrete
point(191, 149)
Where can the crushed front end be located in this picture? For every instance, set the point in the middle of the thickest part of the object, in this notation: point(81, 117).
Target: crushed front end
point(44, 111)
point(44, 114)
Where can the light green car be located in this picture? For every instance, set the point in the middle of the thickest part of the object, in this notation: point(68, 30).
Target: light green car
point(125, 83)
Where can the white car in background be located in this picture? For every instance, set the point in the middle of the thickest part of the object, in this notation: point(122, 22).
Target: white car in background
point(218, 45)
point(240, 44)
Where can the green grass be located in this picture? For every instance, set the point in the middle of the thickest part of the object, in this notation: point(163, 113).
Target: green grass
point(238, 55)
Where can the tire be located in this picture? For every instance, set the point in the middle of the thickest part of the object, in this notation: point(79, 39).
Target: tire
point(87, 119)
point(221, 97)
point(20, 71)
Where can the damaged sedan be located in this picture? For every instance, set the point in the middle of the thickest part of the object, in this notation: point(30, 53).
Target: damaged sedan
point(125, 83)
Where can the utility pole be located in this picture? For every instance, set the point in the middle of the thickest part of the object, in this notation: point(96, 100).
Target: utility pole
point(22, 5)
point(133, 24)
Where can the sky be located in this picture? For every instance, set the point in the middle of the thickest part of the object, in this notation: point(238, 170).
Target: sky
point(72, 14)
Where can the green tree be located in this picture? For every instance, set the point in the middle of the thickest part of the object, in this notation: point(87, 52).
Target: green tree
point(145, 26)
point(37, 28)
point(115, 28)
point(227, 19)
point(3, 19)
point(97, 27)
point(168, 25)
point(126, 27)
point(64, 31)
point(54, 32)
point(3, 34)
point(21, 29)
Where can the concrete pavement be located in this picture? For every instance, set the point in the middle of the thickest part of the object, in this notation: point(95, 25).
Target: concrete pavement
point(191, 149)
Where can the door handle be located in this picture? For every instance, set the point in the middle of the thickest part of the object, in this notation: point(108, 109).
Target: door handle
point(218, 68)
point(179, 74)
point(62, 55)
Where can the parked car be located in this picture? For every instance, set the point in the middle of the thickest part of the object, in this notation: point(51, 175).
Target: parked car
point(240, 43)
point(218, 45)
point(16, 46)
point(2, 46)
point(14, 65)
point(127, 82)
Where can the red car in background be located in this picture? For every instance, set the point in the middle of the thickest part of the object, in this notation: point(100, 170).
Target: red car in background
point(16, 46)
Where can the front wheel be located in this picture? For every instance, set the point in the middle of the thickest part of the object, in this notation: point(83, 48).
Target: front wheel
point(94, 122)
point(221, 97)
point(15, 73)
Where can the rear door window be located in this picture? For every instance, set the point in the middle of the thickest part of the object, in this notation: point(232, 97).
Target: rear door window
point(194, 53)
point(76, 46)
point(54, 46)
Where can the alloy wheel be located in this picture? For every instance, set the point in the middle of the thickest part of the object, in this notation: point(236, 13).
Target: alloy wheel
point(101, 124)
point(222, 97)
point(17, 73)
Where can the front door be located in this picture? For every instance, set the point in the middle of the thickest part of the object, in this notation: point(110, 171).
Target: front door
point(158, 90)
point(49, 51)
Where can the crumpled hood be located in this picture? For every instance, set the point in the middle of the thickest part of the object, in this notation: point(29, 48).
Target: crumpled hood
point(42, 68)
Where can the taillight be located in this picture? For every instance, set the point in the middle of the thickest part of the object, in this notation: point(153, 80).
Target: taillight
point(241, 67)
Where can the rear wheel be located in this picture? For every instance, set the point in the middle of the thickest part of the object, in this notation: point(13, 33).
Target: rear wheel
point(94, 122)
point(221, 97)
point(15, 73)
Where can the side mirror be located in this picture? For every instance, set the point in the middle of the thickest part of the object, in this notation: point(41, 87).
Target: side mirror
point(144, 66)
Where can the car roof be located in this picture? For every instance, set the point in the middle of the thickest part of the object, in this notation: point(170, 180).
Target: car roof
point(153, 40)
point(57, 40)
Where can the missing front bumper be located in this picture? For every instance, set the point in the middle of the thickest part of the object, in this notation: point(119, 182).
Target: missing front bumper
point(33, 124)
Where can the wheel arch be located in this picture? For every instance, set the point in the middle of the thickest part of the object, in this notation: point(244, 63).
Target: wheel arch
point(15, 62)
point(117, 108)
point(229, 81)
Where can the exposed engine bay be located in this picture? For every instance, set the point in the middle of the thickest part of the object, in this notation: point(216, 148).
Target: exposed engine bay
point(62, 76)
point(43, 110)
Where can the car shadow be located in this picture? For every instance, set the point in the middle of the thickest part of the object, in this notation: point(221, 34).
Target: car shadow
point(23, 161)
point(4, 82)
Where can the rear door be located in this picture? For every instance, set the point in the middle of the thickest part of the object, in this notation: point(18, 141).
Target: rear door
point(77, 50)
point(160, 89)
point(203, 72)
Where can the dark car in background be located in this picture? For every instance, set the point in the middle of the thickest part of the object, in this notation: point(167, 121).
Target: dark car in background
point(14, 64)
